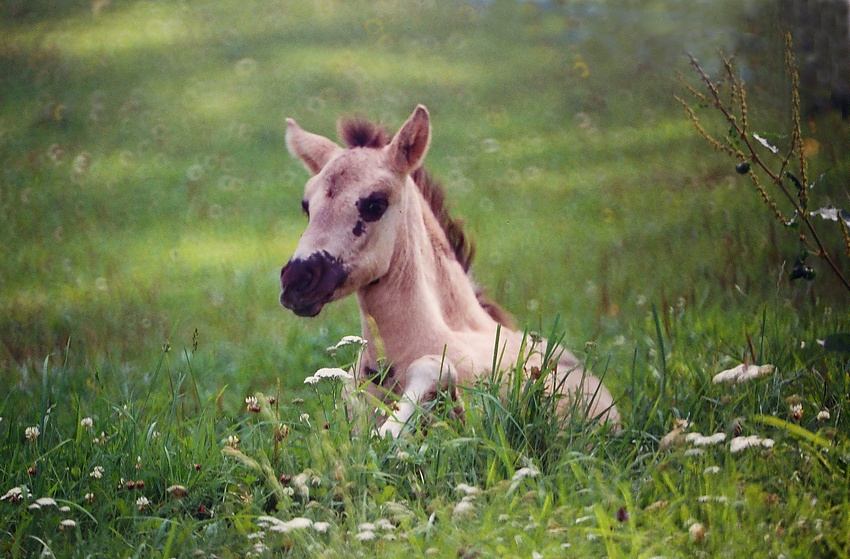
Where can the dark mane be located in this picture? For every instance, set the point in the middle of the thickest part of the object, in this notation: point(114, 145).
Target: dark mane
point(359, 132)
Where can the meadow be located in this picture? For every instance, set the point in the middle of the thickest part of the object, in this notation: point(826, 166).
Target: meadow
point(153, 400)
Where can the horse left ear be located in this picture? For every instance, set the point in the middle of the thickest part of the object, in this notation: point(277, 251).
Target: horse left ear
point(313, 150)
point(407, 149)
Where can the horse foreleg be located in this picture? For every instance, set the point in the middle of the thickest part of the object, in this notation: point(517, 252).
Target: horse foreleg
point(422, 382)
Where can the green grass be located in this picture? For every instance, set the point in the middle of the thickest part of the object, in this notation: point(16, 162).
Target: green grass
point(147, 203)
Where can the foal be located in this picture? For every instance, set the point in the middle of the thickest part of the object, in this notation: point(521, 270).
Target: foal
point(377, 228)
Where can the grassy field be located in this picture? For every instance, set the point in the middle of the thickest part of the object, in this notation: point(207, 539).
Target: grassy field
point(147, 203)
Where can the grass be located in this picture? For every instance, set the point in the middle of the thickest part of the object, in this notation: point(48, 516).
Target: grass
point(147, 204)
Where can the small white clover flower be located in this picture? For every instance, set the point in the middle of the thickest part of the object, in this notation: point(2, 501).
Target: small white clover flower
point(796, 411)
point(823, 415)
point(67, 523)
point(232, 441)
point(32, 433)
point(89, 497)
point(252, 404)
point(97, 472)
point(86, 423)
point(305, 418)
point(142, 502)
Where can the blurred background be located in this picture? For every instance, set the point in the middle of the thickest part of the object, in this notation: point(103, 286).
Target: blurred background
point(147, 199)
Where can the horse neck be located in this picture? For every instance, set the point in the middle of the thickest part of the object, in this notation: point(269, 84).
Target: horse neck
point(426, 296)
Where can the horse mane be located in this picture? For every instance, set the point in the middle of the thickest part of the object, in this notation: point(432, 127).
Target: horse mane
point(359, 132)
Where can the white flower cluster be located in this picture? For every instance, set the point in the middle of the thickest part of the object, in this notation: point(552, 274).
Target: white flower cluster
point(274, 524)
point(740, 443)
point(346, 341)
point(326, 372)
point(743, 373)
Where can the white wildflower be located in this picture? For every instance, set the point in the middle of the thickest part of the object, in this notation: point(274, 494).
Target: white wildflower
point(86, 423)
point(522, 473)
point(697, 531)
point(463, 508)
point(312, 379)
point(277, 525)
point(365, 536)
point(713, 499)
point(467, 489)
point(42, 502)
point(67, 523)
point(89, 497)
point(333, 372)
point(711, 470)
point(699, 439)
point(740, 443)
point(796, 412)
point(14, 495)
point(232, 441)
point(97, 472)
point(142, 502)
point(321, 527)
point(366, 527)
point(32, 433)
point(743, 373)
point(694, 452)
point(384, 524)
point(346, 341)
point(177, 491)
point(823, 415)
point(305, 418)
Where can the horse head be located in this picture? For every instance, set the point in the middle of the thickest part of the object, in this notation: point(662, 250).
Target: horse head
point(355, 203)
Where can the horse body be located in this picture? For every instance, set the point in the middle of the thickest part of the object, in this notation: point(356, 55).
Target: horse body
point(376, 232)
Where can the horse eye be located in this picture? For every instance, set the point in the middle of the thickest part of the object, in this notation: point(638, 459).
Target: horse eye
point(305, 206)
point(372, 207)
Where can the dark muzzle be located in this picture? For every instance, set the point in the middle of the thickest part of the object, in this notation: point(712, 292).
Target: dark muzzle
point(306, 285)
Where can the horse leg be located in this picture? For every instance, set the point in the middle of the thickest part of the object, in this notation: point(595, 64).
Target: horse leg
point(422, 382)
point(585, 392)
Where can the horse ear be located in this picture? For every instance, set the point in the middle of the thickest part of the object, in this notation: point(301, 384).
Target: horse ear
point(314, 150)
point(407, 149)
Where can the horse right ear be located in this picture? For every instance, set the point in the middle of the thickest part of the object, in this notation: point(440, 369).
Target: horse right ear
point(313, 150)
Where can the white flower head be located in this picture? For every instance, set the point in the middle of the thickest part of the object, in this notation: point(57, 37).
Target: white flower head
point(275, 524)
point(743, 373)
point(97, 472)
point(86, 423)
point(365, 536)
point(528, 471)
point(67, 523)
point(321, 527)
point(701, 440)
point(741, 443)
point(142, 502)
point(823, 415)
point(15, 495)
point(32, 433)
point(463, 508)
point(346, 341)
point(467, 489)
